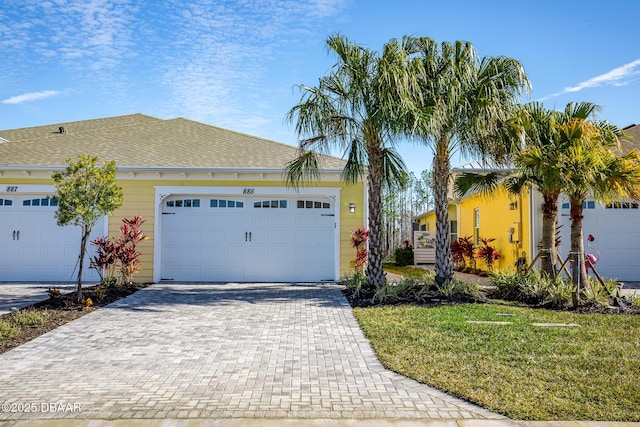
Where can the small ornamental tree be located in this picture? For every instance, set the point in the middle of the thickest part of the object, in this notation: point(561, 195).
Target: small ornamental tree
point(86, 192)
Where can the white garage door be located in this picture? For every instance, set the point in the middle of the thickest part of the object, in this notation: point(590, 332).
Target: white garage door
point(617, 235)
point(33, 247)
point(247, 239)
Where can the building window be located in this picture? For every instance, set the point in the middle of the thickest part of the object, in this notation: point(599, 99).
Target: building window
point(6, 202)
point(476, 226)
point(453, 230)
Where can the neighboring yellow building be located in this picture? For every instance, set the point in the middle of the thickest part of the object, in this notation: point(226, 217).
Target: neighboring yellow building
point(501, 216)
point(215, 202)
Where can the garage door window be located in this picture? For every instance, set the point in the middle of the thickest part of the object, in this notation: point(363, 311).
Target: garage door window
point(184, 203)
point(222, 203)
point(47, 201)
point(313, 204)
point(271, 204)
point(6, 202)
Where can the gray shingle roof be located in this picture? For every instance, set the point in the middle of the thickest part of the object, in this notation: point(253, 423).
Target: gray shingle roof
point(632, 140)
point(138, 140)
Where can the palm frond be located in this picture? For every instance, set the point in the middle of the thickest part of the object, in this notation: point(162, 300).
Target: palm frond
point(303, 168)
point(478, 183)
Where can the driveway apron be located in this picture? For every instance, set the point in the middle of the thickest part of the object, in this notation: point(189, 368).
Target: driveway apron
point(215, 351)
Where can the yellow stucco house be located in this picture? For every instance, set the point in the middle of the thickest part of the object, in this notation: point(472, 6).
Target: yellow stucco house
point(501, 216)
point(216, 205)
point(516, 224)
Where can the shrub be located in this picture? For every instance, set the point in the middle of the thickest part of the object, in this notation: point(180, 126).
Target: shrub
point(404, 256)
point(354, 283)
point(28, 318)
point(531, 288)
point(8, 330)
point(407, 289)
point(600, 294)
point(559, 291)
point(359, 239)
point(461, 250)
point(488, 253)
point(119, 255)
point(457, 289)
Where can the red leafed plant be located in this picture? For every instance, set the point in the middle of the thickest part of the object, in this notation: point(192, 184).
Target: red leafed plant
point(461, 250)
point(119, 252)
point(488, 253)
point(359, 242)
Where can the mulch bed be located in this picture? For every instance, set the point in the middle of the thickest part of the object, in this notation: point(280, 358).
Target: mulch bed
point(64, 309)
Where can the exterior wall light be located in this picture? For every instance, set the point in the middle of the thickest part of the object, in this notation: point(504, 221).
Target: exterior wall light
point(352, 207)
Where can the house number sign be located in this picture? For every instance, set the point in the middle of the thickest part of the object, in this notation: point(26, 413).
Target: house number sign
point(248, 191)
point(12, 188)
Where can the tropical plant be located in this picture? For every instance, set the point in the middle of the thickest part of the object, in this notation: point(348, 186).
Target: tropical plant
point(488, 252)
point(591, 166)
point(85, 193)
point(464, 104)
point(463, 249)
point(359, 239)
point(352, 109)
point(120, 254)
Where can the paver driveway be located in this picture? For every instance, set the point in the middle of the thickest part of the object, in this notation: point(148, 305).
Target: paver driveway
point(215, 351)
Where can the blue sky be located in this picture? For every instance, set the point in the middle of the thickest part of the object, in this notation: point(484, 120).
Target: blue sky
point(234, 64)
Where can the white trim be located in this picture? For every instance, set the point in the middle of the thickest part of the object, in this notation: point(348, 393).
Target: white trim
point(162, 192)
point(18, 188)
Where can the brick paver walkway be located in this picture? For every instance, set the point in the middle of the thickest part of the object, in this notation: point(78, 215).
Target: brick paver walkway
point(215, 351)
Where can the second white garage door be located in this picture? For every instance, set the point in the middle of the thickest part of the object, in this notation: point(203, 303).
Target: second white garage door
point(246, 239)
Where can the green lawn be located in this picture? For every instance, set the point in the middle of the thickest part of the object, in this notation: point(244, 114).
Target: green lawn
point(591, 372)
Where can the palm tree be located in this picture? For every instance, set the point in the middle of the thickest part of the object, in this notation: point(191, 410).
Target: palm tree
point(538, 164)
point(464, 105)
point(591, 166)
point(352, 109)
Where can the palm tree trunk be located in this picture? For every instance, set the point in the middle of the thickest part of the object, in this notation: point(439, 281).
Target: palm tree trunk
point(549, 216)
point(444, 264)
point(579, 271)
point(375, 274)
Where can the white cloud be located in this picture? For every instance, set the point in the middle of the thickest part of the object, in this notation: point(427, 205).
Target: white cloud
point(617, 77)
point(32, 96)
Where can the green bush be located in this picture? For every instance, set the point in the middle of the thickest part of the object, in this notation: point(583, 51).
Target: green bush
point(28, 318)
point(404, 256)
point(8, 330)
point(531, 287)
point(354, 283)
point(407, 289)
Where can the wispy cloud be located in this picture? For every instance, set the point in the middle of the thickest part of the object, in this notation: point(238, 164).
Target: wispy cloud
point(617, 77)
point(223, 50)
point(32, 96)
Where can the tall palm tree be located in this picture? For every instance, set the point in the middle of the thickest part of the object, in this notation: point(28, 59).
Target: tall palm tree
point(464, 105)
point(591, 166)
point(353, 109)
point(538, 164)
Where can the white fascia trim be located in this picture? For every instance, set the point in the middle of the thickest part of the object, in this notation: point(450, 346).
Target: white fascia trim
point(162, 192)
